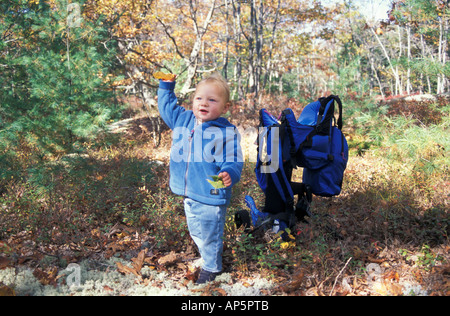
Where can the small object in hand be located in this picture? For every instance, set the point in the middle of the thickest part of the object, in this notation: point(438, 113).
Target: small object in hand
point(163, 76)
point(216, 182)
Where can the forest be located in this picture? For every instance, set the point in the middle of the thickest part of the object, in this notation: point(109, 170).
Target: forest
point(84, 154)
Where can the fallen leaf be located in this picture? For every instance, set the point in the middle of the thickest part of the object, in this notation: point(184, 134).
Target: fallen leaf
point(138, 262)
point(392, 276)
point(442, 269)
point(294, 283)
point(6, 291)
point(192, 274)
point(395, 289)
point(357, 252)
point(4, 263)
point(375, 260)
point(169, 259)
point(143, 220)
point(122, 235)
point(47, 277)
point(126, 269)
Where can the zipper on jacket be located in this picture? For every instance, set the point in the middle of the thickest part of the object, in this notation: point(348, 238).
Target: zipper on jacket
point(191, 136)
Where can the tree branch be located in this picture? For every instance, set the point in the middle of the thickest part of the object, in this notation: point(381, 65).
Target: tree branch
point(166, 30)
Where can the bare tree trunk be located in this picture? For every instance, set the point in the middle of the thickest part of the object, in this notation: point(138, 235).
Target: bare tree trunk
point(394, 72)
point(423, 56)
point(269, 59)
point(399, 86)
point(442, 53)
point(251, 49)
point(237, 30)
point(408, 79)
point(376, 76)
point(192, 61)
point(280, 83)
point(260, 21)
point(227, 42)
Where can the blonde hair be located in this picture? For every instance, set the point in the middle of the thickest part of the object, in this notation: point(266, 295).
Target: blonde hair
point(220, 81)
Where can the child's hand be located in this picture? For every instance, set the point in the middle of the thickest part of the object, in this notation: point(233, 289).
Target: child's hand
point(226, 179)
point(171, 79)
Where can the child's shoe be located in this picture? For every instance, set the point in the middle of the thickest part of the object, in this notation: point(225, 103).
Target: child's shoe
point(206, 276)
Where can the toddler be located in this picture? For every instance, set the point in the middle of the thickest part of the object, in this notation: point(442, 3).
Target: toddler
point(204, 144)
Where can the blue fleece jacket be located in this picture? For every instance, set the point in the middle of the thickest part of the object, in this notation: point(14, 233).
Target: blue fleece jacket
point(199, 151)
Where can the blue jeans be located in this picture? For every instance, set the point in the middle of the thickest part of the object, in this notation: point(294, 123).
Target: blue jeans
point(206, 224)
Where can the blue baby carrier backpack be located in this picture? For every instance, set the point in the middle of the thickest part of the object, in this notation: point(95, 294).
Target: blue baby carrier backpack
point(314, 142)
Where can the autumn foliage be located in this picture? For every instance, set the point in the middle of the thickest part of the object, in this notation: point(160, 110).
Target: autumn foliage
point(84, 155)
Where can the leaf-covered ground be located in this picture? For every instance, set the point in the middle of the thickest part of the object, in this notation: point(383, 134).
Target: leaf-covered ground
point(124, 232)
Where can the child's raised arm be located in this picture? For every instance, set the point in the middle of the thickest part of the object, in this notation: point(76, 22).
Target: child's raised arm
point(167, 103)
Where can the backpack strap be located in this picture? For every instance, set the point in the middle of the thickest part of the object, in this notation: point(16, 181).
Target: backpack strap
point(277, 182)
point(330, 114)
point(286, 127)
point(339, 122)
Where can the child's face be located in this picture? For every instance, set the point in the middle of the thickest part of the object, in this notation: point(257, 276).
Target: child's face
point(209, 102)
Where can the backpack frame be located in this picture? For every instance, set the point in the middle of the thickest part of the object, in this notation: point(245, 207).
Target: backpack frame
point(314, 142)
